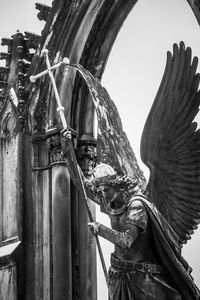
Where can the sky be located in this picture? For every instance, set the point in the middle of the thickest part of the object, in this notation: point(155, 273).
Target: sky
point(133, 73)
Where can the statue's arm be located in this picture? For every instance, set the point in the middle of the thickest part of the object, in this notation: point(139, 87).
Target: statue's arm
point(122, 239)
point(135, 224)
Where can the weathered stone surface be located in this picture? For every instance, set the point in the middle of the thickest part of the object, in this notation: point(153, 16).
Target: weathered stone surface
point(44, 11)
point(8, 282)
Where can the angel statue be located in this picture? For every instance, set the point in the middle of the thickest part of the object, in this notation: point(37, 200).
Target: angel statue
point(150, 222)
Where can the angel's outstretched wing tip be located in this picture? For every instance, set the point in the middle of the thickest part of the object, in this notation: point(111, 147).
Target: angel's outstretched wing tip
point(196, 60)
point(175, 46)
point(171, 117)
point(182, 45)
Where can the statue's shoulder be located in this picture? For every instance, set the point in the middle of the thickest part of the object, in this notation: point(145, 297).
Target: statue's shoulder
point(136, 212)
point(137, 201)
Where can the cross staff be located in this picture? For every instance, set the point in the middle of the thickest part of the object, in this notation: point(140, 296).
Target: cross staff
point(65, 61)
point(60, 110)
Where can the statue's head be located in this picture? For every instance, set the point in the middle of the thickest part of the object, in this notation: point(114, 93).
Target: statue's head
point(111, 185)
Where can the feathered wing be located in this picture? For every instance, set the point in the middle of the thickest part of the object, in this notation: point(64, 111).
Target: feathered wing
point(170, 144)
point(113, 146)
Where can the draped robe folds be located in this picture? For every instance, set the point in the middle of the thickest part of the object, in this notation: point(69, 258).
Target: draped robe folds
point(168, 253)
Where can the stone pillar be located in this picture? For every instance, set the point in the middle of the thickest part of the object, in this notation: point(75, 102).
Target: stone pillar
point(87, 157)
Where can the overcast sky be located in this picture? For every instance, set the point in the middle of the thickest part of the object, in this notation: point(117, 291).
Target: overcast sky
point(134, 69)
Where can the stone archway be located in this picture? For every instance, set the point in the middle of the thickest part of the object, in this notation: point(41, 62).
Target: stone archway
point(86, 37)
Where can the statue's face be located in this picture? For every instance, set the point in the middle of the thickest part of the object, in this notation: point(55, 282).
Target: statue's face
point(108, 192)
point(112, 196)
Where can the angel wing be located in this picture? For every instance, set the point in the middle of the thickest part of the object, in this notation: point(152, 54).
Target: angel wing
point(170, 144)
point(113, 145)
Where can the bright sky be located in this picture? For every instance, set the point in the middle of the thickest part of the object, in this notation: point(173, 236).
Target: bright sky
point(133, 73)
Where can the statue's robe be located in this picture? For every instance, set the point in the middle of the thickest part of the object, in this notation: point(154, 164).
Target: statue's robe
point(174, 282)
point(168, 252)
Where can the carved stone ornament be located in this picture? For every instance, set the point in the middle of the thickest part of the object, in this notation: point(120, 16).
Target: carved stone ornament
point(54, 146)
point(9, 124)
point(57, 145)
point(87, 154)
point(40, 115)
point(14, 74)
point(44, 11)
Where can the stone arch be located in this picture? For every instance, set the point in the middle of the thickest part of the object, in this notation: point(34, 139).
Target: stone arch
point(83, 31)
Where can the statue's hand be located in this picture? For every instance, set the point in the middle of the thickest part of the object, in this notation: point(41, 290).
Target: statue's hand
point(94, 227)
point(67, 135)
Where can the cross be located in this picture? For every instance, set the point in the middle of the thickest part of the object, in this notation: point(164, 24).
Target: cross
point(60, 108)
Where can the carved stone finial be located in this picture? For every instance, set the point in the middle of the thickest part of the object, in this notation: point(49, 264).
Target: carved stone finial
point(7, 42)
point(14, 73)
point(4, 73)
point(44, 11)
point(3, 84)
point(6, 56)
point(18, 35)
point(32, 39)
